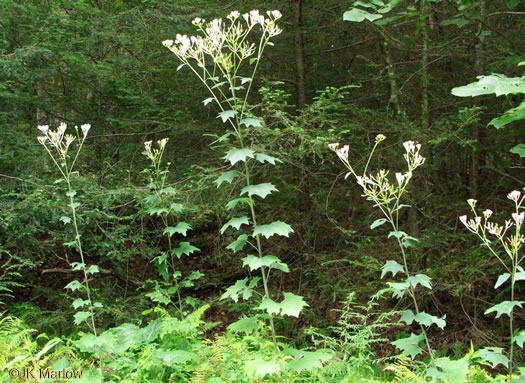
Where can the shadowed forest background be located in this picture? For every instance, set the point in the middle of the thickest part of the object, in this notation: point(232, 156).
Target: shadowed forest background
point(325, 80)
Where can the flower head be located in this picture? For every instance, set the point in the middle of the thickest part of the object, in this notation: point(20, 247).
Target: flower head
point(514, 195)
point(234, 15)
point(334, 146)
point(43, 129)
point(85, 129)
point(197, 21)
point(472, 202)
point(275, 14)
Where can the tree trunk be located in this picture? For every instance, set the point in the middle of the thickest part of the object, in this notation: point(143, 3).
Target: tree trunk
point(299, 53)
point(425, 122)
point(478, 65)
point(393, 101)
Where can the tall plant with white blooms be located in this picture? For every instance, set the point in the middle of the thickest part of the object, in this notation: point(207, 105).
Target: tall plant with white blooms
point(505, 243)
point(218, 55)
point(64, 154)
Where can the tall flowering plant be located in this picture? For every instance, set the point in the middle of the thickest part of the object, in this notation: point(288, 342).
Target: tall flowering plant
point(217, 55)
point(386, 196)
point(503, 241)
point(64, 153)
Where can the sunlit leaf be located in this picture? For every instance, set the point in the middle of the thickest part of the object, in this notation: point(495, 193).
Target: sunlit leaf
point(262, 158)
point(251, 122)
point(505, 307)
point(410, 345)
point(262, 190)
point(245, 325)
point(306, 360)
point(238, 244)
point(228, 176)
point(391, 267)
point(236, 155)
point(493, 355)
point(184, 248)
point(274, 228)
point(235, 222)
point(271, 261)
point(378, 222)
point(419, 279)
point(227, 114)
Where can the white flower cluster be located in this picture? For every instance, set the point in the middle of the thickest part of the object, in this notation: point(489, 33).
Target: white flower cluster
point(412, 156)
point(218, 35)
point(155, 154)
point(58, 139)
point(481, 225)
point(377, 187)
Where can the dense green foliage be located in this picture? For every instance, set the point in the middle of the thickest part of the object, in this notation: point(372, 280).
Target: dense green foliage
point(203, 231)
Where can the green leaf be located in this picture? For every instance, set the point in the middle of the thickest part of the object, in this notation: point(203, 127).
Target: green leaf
point(409, 241)
point(377, 223)
point(451, 371)
point(397, 234)
point(245, 325)
point(176, 207)
point(159, 296)
point(251, 122)
point(419, 279)
point(505, 307)
point(493, 84)
point(261, 367)
point(233, 203)
point(271, 261)
point(235, 222)
point(422, 318)
point(79, 302)
point(238, 244)
point(208, 100)
point(514, 114)
point(274, 228)
point(78, 266)
point(74, 285)
point(306, 360)
point(358, 15)
point(181, 228)
point(391, 267)
point(291, 305)
point(244, 80)
point(410, 345)
point(93, 269)
point(227, 114)
point(262, 190)
point(511, 4)
point(236, 155)
point(81, 316)
point(398, 288)
point(158, 211)
point(168, 190)
point(66, 220)
point(493, 355)
point(519, 150)
point(253, 60)
point(262, 158)
point(520, 338)
point(226, 177)
point(74, 205)
point(502, 279)
point(184, 248)
point(241, 287)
